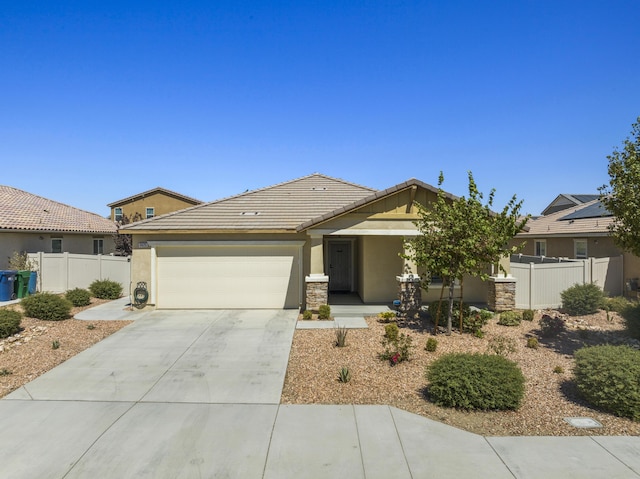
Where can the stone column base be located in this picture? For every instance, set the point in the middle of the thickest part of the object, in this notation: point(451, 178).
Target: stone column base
point(316, 291)
point(502, 293)
point(409, 294)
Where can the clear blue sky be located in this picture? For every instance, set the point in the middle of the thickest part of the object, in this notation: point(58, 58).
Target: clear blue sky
point(102, 100)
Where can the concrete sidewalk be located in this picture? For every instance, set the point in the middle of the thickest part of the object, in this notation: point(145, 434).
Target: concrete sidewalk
point(190, 394)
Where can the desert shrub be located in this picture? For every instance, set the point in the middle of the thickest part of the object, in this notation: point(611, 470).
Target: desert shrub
point(532, 343)
point(527, 315)
point(510, 318)
point(475, 382)
point(79, 297)
point(46, 306)
point(344, 375)
point(105, 289)
point(582, 299)
point(472, 321)
point(631, 316)
point(397, 350)
point(306, 314)
point(391, 331)
point(551, 325)
point(387, 316)
point(341, 337)
point(432, 345)
point(476, 321)
point(501, 345)
point(558, 370)
point(9, 322)
point(21, 261)
point(617, 304)
point(608, 377)
point(324, 311)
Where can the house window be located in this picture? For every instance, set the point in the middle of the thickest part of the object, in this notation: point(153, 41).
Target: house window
point(150, 212)
point(117, 214)
point(580, 248)
point(540, 247)
point(56, 245)
point(98, 246)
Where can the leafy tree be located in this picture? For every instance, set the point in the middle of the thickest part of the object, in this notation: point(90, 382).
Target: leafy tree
point(622, 196)
point(462, 236)
point(124, 242)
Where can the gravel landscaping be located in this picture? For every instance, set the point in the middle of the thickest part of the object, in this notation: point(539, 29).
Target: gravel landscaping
point(30, 353)
point(550, 397)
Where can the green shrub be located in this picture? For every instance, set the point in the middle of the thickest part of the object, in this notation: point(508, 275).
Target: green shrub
point(387, 316)
point(306, 314)
point(608, 377)
point(532, 343)
point(432, 345)
point(501, 345)
point(391, 331)
point(472, 321)
point(527, 315)
point(105, 289)
point(78, 297)
point(344, 375)
point(475, 382)
point(398, 349)
point(581, 299)
point(9, 322)
point(558, 370)
point(631, 316)
point(46, 306)
point(324, 311)
point(617, 304)
point(510, 318)
point(551, 325)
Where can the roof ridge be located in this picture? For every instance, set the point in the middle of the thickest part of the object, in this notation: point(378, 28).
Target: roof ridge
point(157, 188)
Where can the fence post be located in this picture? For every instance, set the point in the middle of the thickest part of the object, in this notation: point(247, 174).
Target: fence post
point(531, 278)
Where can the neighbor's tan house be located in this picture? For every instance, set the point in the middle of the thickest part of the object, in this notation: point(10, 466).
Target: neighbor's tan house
point(34, 224)
point(148, 204)
point(299, 243)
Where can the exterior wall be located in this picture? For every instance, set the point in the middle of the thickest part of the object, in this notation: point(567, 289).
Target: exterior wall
point(161, 202)
point(41, 242)
point(380, 265)
point(597, 247)
point(474, 291)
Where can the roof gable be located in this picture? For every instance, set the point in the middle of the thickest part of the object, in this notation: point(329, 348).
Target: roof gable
point(279, 207)
point(25, 211)
point(153, 191)
point(565, 201)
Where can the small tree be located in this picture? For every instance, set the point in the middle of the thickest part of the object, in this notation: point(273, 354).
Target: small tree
point(622, 196)
point(462, 236)
point(124, 242)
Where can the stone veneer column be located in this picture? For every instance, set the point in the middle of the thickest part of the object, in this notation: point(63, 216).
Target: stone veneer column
point(317, 291)
point(502, 293)
point(409, 294)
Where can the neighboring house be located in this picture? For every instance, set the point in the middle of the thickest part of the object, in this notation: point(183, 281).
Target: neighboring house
point(565, 201)
point(32, 223)
point(151, 203)
point(284, 246)
point(578, 232)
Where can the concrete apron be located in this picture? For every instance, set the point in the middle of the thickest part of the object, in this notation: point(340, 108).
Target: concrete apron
point(195, 394)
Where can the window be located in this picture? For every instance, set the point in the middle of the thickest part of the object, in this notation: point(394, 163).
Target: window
point(56, 245)
point(150, 212)
point(580, 248)
point(98, 246)
point(540, 247)
point(117, 214)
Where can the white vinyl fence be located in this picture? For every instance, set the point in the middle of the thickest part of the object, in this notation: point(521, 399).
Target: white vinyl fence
point(60, 272)
point(539, 283)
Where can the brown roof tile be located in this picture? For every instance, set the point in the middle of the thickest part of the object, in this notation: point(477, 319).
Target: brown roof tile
point(25, 211)
point(554, 224)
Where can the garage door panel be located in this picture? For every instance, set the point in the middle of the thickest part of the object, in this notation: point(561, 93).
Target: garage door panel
point(229, 277)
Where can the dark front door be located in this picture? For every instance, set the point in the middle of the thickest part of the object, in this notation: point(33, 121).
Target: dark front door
point(340, 266)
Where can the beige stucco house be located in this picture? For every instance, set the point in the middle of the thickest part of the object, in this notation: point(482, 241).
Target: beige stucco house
point(300, 243)
point(148, 204)
point(34, 224)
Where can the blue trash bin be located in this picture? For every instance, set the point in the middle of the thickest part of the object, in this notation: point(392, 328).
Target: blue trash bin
point(33, 282)
point(7, 281)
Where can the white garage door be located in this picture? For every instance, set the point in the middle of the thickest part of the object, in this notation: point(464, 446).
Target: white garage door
point(228, 277)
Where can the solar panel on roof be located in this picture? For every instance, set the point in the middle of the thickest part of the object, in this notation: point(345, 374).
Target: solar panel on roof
point(595, 210)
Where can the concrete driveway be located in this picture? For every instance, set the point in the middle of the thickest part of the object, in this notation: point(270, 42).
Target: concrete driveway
point(194, 394)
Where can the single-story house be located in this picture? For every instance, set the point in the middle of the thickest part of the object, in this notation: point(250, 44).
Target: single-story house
point(296, 244)
point(577, 232)
point(155, 202)
point(31, 223)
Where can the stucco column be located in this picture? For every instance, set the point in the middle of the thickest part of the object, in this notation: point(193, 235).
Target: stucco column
point(408, 266)
point(317, 283)
point(317, 255)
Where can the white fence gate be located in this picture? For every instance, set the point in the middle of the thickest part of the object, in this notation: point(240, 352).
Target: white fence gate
point(539, 285)
point(60, 272)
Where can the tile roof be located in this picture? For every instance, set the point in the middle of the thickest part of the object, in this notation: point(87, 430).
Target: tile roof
point(279, 207)
point(566, 201)
point(153, 191)
point(25, 211)
point(575, 221)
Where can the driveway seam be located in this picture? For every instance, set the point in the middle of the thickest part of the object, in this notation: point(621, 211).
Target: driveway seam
point(404, 454)
point(613, 455)
point(499, 457)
